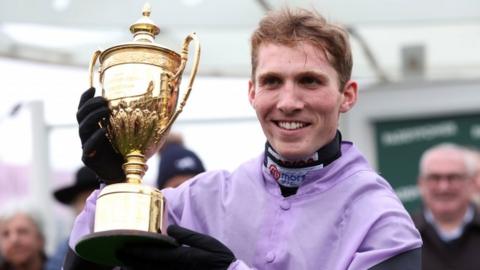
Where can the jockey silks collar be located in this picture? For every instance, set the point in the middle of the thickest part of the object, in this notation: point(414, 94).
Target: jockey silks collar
point(291, 173)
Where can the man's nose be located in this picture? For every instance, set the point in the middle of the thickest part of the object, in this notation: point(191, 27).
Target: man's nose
point(444, 184)
point(290, 100)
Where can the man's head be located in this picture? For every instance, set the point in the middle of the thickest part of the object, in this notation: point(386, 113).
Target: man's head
point(21, 238)
point(291, 27)
point(76, 194)
point(177, 164)
point(301, 67)
point(446, 181)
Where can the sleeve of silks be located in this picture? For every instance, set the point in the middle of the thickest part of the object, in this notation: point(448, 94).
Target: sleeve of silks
point(409, 260)
point(83, 226)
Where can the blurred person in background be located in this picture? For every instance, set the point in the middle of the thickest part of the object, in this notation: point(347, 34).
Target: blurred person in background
point(22, 242)
point(309, 201)
point(449, 222)
point(177, 163)
point(74, 196)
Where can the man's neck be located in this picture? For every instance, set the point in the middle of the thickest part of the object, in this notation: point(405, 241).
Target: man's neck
point(290, 174)
point(451, 227)
point(452, 222)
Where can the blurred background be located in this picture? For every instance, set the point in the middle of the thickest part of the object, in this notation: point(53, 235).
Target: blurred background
point(417, 63)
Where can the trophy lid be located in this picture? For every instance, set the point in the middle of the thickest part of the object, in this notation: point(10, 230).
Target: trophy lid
point(144, 29)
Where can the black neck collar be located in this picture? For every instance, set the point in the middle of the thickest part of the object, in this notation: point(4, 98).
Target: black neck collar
point(324, 156)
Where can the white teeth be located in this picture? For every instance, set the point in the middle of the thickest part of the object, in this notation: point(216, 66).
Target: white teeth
point(291, 125)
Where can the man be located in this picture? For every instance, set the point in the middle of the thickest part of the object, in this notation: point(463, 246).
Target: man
point(310, 201)
point(177, 163)
point(74, 196)
point(449, 223)
point(22, 241)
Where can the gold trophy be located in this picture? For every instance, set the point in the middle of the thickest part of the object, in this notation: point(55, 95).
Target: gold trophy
point(140, 80)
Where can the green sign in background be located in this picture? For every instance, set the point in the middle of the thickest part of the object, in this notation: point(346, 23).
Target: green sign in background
point(400, 144)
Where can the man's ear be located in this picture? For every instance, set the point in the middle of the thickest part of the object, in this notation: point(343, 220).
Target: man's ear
point(350, 92)
point(251, 93)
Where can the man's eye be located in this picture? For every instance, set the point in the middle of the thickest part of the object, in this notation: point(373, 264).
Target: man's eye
point(4, 234)
point(309, 81)
point(270, 82)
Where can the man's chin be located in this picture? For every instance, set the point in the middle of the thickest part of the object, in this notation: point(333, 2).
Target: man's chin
point(446, 213)
point(293, 155)
point(292, 150)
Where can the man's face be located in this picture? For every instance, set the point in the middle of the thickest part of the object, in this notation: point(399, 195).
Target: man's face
point(445, 185)
point(296, 96)
point(20, 240)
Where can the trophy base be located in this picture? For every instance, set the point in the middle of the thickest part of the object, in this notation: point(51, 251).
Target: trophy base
point(101, 247)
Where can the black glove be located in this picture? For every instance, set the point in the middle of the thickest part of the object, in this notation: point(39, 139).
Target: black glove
point(98, 154)
point(198, 251)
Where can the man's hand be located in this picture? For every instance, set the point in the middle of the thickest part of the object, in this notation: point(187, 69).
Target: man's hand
point(98, 154)
point(197, 251)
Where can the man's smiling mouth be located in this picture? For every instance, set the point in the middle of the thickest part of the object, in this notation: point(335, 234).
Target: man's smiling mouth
point(291, 125)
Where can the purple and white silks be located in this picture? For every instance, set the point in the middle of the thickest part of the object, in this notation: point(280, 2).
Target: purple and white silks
point(344, 216)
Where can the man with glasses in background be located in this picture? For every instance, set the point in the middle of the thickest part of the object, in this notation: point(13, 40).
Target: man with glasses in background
point(449, 222)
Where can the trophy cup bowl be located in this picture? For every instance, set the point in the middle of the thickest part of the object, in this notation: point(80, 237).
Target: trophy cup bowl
point(140, 81)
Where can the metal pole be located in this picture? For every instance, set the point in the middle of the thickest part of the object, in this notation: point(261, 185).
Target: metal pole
point(40, 177)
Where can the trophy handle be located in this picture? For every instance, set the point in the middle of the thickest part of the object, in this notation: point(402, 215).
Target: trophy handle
point(93, 60)
point(196, 60)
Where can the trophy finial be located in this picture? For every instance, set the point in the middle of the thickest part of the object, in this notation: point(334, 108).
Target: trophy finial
point(146, 9)
point(144, 29)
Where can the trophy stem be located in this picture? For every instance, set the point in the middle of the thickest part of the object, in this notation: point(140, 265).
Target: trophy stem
point(135, 167)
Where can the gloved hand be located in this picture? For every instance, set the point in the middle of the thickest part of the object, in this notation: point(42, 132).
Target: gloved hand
point(198, 251)
point(98, 154)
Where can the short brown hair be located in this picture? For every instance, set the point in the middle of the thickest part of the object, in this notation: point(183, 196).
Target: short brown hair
point(289, 27)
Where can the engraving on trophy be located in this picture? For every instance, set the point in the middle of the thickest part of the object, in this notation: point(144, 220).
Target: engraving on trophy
point(132, 82)
point(168, 61)
point(121, 84)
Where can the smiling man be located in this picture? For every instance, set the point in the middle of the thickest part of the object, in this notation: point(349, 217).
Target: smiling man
point(309, 201)
point(449, 223)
